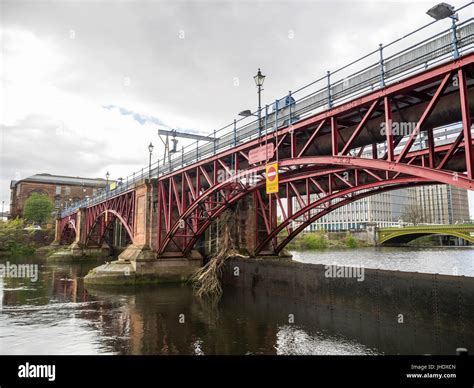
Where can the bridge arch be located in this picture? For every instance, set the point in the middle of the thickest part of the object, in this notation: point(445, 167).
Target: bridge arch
point(102, 223)
point(409, 234)
point(333, 165)
point(68, 232)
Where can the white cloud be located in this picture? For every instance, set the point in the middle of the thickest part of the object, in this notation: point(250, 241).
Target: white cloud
point(62, 62)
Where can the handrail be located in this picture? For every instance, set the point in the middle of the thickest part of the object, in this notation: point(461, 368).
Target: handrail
point(417, 57)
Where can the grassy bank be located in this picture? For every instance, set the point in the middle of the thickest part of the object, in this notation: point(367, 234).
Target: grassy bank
point(16, 241)
point(322, 240)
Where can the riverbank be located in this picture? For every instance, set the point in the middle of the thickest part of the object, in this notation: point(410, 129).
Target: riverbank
point(321, 240)
point(16, 241)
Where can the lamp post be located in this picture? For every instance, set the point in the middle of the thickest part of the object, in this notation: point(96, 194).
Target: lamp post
point(443, 11)
point(107, 175)
point(150, 149)
point(3, 215)
point(259, 79)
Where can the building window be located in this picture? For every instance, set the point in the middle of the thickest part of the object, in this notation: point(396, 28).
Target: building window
point(57, 202)
point(58, 190)
point(67, 190)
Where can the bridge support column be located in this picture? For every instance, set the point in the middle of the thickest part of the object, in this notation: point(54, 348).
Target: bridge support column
point(372, 233)
point(140, 249)
point(244, 228)
point(57, 234)
point(138, 263)
point(77, 246)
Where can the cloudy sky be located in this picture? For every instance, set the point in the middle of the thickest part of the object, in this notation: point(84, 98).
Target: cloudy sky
point(85, 84)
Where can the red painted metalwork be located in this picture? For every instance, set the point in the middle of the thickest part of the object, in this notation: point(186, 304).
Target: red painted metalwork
point(325, 161)
point(185, 225)
point(67, 227)
point(99, 218)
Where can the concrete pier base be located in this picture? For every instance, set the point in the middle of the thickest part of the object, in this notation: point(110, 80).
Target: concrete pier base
point(136, 252)
point(139, 265)
point(75, 252)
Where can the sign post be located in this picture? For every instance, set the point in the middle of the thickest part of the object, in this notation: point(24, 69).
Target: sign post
point(272, 178)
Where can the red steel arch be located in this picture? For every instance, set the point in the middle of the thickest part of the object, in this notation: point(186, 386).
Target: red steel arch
point(339, 138)
point(97, 221)
point(102, 223)
point(332, 155)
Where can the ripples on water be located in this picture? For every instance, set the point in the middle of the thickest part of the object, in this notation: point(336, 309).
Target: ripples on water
point(58, 315)
point(447, 261)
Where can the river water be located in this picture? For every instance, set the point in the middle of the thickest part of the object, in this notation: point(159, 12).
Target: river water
point(57, 314)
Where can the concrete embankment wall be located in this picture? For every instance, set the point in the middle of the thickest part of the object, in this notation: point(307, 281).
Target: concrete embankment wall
point(395, 312)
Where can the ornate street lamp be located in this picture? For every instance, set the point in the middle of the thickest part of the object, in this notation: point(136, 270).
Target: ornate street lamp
point(259, 79)
point(107, 175)
point(150, 149)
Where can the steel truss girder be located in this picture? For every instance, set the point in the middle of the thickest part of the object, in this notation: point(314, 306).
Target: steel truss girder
point(338, 165)
point(100, 217)
point(191, 198)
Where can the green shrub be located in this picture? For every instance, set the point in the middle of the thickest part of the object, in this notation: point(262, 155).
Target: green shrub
point(314, 241)
point(15, 241)
point(350, 241)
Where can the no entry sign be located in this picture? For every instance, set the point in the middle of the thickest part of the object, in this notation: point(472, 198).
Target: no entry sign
point(272, 178)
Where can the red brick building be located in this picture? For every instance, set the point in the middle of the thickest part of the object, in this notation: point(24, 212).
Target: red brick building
point(61, 190)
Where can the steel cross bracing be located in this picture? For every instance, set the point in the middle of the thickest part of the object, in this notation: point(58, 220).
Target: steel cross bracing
point(101, 217)
point(325, 161)
point(317, 96)
point(321, 162)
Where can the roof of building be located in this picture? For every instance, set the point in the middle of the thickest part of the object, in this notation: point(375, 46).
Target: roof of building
point(62, 180)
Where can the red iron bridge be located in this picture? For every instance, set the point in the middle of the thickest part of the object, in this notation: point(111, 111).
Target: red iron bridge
point(399, 117)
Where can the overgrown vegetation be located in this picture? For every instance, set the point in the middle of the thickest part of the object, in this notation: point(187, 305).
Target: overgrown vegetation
point(315, 240)
point(16, 241)
point(323, 240)
point(351, 242)
point(207, 280)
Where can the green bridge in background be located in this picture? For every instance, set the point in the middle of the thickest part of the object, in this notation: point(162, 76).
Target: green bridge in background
point(401, 235)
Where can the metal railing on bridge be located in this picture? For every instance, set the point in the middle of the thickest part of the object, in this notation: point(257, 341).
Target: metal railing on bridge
point(377, 70)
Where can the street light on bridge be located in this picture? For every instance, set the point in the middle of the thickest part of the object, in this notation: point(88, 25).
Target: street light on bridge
point(107, 175)
point(259, 79)
point(442, 11)
point(150, 149)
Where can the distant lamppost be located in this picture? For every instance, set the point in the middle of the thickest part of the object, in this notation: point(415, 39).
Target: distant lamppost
point(107, 175)
point(3, 203)
point(150, 149)
point(259, 79)
point(443, 11)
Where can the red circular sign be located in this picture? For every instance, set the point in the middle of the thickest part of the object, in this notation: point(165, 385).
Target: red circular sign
point(271, 174)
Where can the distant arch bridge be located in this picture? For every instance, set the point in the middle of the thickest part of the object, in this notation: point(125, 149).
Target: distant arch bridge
point(396, 235)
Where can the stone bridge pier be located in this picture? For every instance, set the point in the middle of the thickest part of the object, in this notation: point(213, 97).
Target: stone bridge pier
point(140, 262)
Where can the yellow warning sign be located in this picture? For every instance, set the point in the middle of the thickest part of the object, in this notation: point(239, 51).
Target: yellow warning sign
point(272, 178)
